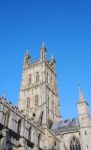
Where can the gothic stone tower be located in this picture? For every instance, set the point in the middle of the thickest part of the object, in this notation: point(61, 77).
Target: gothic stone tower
point(38, 92)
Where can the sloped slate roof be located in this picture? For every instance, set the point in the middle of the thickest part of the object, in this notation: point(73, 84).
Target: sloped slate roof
point(65, 124)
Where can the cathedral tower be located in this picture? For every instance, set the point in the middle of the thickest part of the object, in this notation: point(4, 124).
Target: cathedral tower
point(38, 92)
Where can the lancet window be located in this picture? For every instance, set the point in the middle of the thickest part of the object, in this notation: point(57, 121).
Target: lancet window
point(37, 76)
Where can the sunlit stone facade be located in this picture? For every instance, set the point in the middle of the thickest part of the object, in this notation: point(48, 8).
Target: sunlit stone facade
point(37, 123)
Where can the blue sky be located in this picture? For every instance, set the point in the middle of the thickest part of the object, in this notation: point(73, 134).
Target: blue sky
point(65, 26)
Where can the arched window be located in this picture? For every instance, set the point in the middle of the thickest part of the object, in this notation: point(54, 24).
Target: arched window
point(19, 127)
point(29, 79)
point(29, 135)
point(36, 100)
point(37, 76)
point(75, 144)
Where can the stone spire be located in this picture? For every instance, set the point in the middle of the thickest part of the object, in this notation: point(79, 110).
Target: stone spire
point(81, 95)
point(43, 52)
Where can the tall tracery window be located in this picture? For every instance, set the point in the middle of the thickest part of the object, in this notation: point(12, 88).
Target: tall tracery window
point(19, 127)
point(75, 144)
point(37, 76)
point(36, 100)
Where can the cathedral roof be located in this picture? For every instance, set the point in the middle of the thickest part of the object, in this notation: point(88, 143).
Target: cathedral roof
point(70, 123)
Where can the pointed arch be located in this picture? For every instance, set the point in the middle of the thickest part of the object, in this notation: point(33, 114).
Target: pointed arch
point(75, 144)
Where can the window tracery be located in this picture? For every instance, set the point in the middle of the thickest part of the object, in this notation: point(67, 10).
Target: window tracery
point(75, 144)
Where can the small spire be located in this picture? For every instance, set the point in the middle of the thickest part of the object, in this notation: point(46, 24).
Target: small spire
point(43, 45)
point(81, 95)
point(27, 54)
point(52, 56)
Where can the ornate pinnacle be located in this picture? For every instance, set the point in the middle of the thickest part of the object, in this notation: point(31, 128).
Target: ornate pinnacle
point(43, 45)
point(81, 95)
